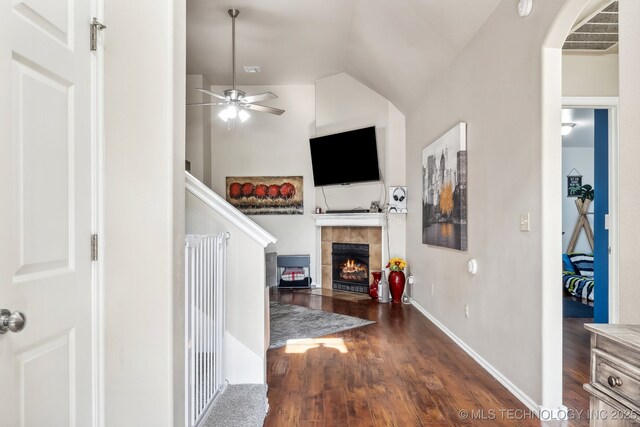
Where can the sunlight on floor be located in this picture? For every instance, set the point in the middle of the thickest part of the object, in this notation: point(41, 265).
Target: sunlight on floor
point(302, 345)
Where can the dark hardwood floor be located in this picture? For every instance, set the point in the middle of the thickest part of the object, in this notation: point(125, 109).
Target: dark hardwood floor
point(575, 358)
point(400, 371)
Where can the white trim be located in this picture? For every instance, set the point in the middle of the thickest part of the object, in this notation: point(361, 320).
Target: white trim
point(350, 220)
point(97, 222)
point(547, 413)
point(230, 213)
point(610, 103)
point(589, 101)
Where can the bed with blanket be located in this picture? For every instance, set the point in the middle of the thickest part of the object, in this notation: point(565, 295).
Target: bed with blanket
point(577, 275)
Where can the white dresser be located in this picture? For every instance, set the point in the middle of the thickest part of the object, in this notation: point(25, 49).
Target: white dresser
point(614, 387)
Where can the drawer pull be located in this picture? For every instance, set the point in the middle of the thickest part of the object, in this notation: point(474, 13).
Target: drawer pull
point(614, 381)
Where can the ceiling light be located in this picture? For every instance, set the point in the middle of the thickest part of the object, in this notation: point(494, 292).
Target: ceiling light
point(252, 69)
point(243, 115)
point(567, 128)
point(228, 113)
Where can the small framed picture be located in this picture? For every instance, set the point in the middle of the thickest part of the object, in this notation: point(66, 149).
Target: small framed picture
point(574, 183)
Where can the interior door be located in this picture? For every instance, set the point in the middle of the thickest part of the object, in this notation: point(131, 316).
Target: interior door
point(47, 370)
point(601, 210)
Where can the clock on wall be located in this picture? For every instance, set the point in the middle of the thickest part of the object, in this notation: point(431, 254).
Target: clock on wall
point(524, 7)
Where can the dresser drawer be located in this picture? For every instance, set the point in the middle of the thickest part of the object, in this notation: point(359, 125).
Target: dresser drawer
point(617, 376)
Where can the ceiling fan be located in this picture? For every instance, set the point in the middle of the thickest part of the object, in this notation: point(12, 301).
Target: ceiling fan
point(236, 102)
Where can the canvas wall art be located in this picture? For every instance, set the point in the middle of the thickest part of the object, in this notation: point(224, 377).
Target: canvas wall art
point(444, 197)
point(266, 195)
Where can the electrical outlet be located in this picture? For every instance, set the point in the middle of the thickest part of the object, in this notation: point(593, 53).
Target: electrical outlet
point(466, 311)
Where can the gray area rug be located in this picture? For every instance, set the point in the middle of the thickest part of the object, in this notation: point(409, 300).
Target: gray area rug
point(241, 405)
point(293, 322)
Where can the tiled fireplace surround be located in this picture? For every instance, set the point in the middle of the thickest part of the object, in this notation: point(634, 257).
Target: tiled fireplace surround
point(369, 235)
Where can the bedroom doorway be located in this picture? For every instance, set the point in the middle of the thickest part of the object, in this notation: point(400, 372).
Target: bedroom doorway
point(578, 212)
point(589, 209)
point(589, 201)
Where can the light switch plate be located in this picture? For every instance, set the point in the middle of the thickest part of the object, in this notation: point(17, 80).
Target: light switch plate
point(524, 222)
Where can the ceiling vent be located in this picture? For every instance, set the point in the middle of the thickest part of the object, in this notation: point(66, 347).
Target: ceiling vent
point(598, 32)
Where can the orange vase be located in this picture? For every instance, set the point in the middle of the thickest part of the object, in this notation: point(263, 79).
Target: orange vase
point(396, 285)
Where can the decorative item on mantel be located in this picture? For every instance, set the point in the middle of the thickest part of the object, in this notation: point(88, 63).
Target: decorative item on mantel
point(396, 278)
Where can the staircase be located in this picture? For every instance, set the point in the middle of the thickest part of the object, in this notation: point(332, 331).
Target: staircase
point(244, 340)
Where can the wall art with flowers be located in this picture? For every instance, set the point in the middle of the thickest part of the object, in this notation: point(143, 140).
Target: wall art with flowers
point(266, 195)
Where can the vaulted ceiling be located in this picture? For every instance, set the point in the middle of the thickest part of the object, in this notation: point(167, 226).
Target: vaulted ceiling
point(394, 47)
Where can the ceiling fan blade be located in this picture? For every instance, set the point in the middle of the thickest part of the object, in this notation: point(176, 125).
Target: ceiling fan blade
point(206, 103)
point(259, 97)
point(263, 109)
point(208, 92)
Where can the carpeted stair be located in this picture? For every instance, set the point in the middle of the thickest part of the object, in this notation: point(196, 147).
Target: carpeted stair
point(240, 405)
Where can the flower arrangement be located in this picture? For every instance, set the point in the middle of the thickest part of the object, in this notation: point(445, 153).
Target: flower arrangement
point(396, 264)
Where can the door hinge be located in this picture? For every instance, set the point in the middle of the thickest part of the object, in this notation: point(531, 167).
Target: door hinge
point(95, 27)
point(94, 247)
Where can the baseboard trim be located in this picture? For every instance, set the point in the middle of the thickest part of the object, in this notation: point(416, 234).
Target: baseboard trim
point(542, 412)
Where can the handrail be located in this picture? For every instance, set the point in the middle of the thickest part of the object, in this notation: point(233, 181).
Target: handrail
point(226, 209)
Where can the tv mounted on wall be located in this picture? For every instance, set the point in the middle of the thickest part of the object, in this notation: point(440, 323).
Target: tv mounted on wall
point(345, 158)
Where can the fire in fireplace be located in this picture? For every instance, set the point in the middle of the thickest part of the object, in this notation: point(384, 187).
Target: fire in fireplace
point(350, 267)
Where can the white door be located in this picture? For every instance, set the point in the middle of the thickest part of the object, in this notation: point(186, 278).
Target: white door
point(47, 370)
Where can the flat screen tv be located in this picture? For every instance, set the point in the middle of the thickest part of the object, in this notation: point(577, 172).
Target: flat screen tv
point(345, 158)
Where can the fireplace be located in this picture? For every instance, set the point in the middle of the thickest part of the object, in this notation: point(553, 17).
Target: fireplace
point(350, 265)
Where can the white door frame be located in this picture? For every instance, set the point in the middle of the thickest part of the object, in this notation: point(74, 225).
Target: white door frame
point(610, 104)
point(97, 220)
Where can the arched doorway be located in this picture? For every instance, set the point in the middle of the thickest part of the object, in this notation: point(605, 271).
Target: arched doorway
point(552, 390)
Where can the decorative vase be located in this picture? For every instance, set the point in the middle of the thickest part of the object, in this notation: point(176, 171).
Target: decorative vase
point(383, 289)
point(396, 285)
point(373, 287)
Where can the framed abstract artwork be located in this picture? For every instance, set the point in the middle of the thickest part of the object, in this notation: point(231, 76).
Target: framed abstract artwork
point(266, 195)
point(444, 195)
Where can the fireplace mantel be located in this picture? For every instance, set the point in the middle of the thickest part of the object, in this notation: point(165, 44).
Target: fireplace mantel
point(350, 220)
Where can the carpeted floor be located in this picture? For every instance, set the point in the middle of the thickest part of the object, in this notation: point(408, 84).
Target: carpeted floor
point(241, 405)
point(575, 309)
point(294, 322)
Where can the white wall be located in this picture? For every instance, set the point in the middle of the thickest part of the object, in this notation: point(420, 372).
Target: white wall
point(245, 294)
point(580, 158)
point(144, 206)
point(343, 103)
point(629, 177)
point(198, 132)
point(275, 146)
point(589, 75)
point(179, 129)
point(268, 145)
point(494, 85)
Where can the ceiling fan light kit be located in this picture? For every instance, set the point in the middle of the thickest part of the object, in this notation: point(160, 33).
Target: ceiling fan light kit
point(235, 101)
